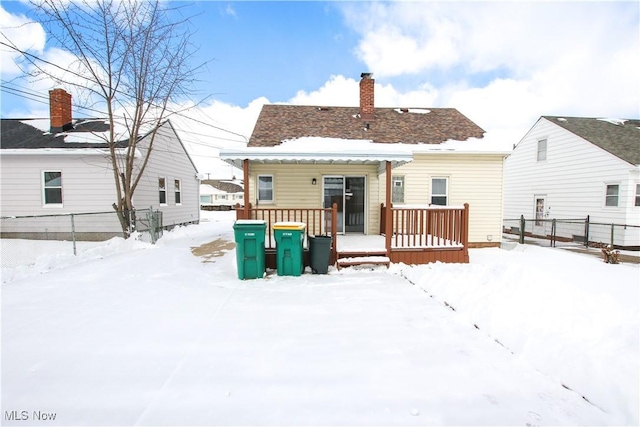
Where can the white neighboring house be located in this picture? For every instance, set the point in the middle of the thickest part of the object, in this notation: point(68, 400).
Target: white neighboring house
point(60, 166)
point(221, 194)
point(574, 167)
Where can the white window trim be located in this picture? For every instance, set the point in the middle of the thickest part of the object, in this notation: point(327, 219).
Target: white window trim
point(44, 198)
point(179, 190)
point(447, 195)
point(636, 193)
point(546, 149)
point(607, 184)
point(273, 189)
point(165, 191)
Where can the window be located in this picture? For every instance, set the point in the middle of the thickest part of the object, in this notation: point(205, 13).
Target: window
point(162, 190)
point(178, 191)
point(52, 186)
point(397, 189)
point(265, 188)
point(611, 198)
point(637, 195)
point(439, 191)
point(542, 150)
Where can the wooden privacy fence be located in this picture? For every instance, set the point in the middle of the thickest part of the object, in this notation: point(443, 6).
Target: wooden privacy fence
point(319, 221)
point(427, 227)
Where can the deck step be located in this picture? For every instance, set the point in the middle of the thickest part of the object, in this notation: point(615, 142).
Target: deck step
point(362, 260)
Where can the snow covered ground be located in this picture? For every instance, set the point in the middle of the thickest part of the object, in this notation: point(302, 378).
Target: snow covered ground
point(127, 333)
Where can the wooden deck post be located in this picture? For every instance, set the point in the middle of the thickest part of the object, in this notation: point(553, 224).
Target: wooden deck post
point(465, 233)
point(387, 228)
point(334, 233)
point(245, 170)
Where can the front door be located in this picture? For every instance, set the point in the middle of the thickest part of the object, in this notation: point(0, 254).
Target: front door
point(348, 193)
point(540, 215)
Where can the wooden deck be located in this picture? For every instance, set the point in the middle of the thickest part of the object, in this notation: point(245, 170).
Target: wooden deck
point(411, 235)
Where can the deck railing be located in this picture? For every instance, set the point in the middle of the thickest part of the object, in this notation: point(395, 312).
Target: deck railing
point(319, 221)
point(427, 227)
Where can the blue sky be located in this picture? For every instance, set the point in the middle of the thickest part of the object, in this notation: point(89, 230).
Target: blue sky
point(503, 64)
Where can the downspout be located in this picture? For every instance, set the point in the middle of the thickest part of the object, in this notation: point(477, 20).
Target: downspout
point(245, 170)
point(387, 213)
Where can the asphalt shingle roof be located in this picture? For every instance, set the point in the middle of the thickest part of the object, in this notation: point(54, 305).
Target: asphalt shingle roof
point(280, 122)
point(622, 138)
point(18, 134)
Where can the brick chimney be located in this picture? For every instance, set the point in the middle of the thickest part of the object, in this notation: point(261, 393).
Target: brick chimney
point(366, 96)
point(60, 110)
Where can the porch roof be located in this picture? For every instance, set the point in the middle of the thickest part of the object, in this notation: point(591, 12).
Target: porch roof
point(321, 151)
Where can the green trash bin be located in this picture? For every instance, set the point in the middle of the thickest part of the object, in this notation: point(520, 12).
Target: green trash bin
point(249, 236)
point(319, 254)
point(289, 247)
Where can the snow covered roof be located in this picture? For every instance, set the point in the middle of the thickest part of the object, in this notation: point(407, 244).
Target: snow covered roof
point(32, 134)
point(620, 137)
point(224, 185)
point(323, 151)
point(278, 123)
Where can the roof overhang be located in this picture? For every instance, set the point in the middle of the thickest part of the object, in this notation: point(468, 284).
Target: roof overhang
point(65, 152)
point(269, 155)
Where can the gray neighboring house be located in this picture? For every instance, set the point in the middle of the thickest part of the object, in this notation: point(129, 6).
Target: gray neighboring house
point(571, 167)
point(59, 165)
point(221, 194)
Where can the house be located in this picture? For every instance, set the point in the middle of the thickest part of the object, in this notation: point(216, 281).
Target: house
point(61, 166)
point(574, 167)
point(447, 192)
point(218, 194)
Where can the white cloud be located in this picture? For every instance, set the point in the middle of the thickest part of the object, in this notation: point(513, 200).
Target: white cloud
point(504, 64)
point(25, 34)
point(340, 91)
point(229, 10)
point(207, 128)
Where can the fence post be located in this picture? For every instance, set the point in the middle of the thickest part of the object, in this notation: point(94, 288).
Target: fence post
point(73, 235)
point(586, 232)
point(552, 241)
point(523, 224)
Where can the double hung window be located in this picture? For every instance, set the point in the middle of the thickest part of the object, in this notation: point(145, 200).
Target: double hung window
point(439, 191)
point(52, 187)
point(265, 188)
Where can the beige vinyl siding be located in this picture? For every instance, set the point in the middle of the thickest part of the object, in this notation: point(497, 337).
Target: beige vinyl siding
point(473, 179)
point(293, 187)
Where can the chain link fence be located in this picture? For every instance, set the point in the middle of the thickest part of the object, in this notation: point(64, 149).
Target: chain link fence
point(24, 238)
point(572, 232)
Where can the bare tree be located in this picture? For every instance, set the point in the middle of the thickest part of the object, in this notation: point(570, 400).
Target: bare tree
point(132, 59)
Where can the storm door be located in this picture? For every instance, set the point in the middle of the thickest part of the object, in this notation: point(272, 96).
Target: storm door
point(348, 193)
point(540, 215)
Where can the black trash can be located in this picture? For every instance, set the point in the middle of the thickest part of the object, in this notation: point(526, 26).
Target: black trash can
point(319, 254)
